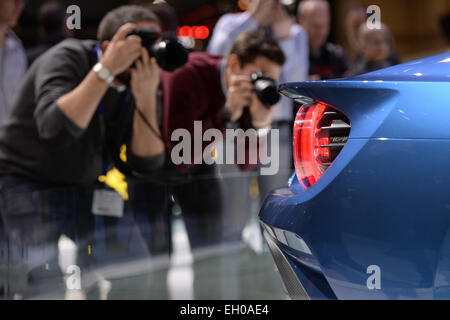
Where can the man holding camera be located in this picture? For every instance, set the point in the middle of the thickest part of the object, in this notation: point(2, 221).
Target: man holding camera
point(79, 104)
point(220, 93)
point(56, 130)
point(272, 16)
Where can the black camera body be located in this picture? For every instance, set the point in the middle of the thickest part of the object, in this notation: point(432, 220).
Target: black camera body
point(265, 88)
point(169, 53)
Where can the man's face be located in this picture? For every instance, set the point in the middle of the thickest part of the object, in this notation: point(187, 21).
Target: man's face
point(140, 25)
point(317, 25)
point(10, 11)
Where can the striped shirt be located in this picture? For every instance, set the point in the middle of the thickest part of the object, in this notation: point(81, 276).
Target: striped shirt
point(13, 64)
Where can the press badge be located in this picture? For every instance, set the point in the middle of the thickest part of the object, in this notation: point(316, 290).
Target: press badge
point(107, 203)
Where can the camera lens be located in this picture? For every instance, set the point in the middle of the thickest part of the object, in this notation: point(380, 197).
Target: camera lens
point(169, 53)
point(266, 89)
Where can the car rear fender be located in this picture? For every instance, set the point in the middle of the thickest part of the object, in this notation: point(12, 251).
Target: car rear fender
point(383, 109)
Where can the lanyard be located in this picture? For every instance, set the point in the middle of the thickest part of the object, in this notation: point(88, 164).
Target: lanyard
point(101, 113)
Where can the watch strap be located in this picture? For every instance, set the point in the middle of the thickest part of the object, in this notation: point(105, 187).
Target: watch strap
point(103, 73)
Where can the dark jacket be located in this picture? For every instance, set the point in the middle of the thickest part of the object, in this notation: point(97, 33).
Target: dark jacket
point(329, 62)
point(195, 93)
point(41, 143)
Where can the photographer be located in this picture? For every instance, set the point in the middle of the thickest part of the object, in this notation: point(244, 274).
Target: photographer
point(55, 133)
point(326, 60)
point(79, 104)
point(270, 15)
point(216, 91)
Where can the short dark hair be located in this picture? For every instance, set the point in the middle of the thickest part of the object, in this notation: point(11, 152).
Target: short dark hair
point(250, 45)
point(166, 14)
point(116, 18)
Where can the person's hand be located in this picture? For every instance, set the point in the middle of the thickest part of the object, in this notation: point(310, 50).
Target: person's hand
point(282, 23)
point(260, 115)
point(122, 51)
point(145, 79)
point(262, 11)
point(240, 93)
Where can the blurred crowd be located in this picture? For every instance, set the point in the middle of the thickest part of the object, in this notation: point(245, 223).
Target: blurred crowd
point(369, 49)
point(73, 110)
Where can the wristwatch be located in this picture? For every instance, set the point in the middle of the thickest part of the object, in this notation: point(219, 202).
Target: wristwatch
point(103, 73)
point(263, 131)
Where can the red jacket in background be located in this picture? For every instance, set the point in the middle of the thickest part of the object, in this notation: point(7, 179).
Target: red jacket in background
point(193, 93)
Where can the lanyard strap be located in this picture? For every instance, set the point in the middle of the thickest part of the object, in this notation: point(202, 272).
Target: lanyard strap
point(101, 114)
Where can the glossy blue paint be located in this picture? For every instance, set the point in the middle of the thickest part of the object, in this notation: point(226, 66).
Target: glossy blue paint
point(434, 69)
point(385, 200)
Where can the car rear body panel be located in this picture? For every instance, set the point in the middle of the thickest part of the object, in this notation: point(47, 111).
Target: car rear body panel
point(385, 200)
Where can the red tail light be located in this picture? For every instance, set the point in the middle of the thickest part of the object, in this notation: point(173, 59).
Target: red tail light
point(320, 133)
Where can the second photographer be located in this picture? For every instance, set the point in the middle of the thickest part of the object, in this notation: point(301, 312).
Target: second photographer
point(220, 93)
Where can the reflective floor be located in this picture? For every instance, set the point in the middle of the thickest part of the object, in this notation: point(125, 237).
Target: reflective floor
point(200, 241)
point(226, 272)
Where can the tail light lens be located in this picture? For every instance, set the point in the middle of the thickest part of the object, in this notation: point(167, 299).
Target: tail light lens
point(320, 134)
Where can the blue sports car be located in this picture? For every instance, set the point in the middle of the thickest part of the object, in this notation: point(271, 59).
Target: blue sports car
point(367, 214)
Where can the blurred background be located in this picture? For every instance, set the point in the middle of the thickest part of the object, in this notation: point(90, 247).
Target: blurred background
point(419, 27)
